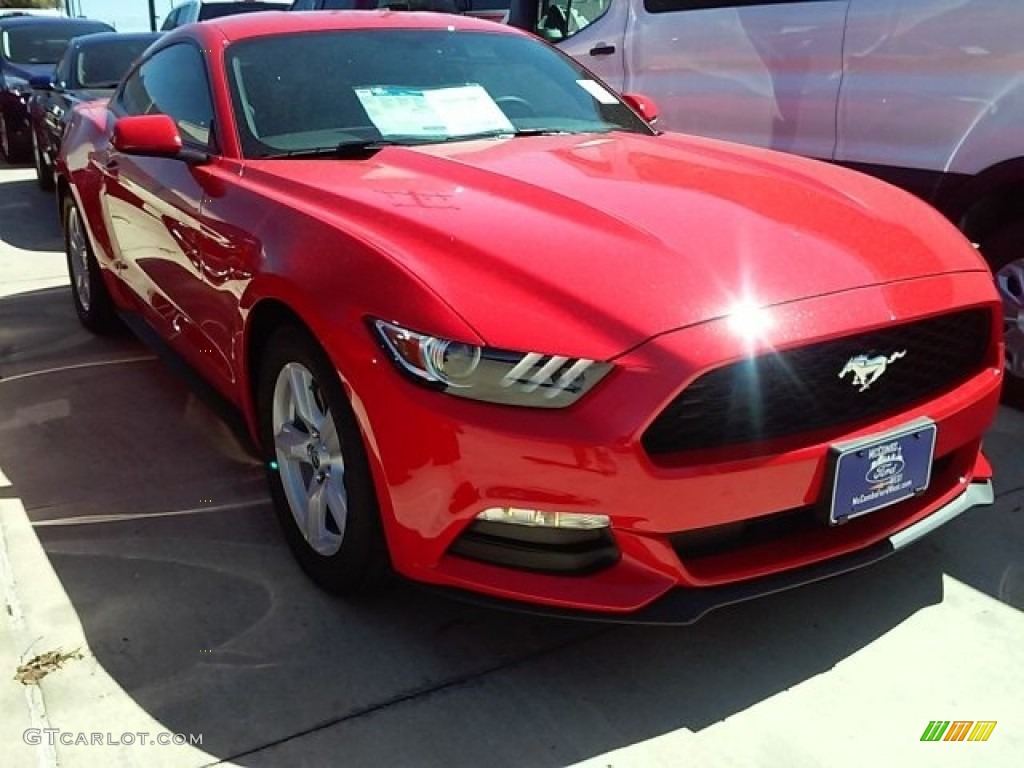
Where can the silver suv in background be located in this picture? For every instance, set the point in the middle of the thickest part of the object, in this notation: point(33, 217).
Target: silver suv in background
point(201, 10)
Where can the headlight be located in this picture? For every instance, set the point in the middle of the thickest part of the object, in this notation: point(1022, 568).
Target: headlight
point(527, 379)
point(18, 86)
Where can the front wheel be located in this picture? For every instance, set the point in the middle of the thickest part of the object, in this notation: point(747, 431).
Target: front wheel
point(317, 467)
point(1005, 255)
point(12, 153)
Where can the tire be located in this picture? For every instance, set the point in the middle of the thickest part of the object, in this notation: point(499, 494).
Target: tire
point(12, 154)
point(317, 468)
point(92, 301)
point(1004, 252)
point(44, 178)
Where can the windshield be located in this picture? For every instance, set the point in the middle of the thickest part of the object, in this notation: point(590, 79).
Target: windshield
point(103, 66)
point(44, 43)
point(315, 91)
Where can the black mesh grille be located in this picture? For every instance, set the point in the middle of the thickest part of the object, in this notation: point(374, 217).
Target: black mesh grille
point(799, 390)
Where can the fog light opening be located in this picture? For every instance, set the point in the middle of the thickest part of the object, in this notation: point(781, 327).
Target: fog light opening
point(539, 518)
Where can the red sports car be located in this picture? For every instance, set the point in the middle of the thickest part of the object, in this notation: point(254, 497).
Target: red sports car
point(496, 333)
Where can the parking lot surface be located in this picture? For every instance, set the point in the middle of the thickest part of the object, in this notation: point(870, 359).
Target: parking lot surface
point(137, 536)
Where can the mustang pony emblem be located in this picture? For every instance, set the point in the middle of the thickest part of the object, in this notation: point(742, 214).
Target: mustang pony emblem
point(867, 370)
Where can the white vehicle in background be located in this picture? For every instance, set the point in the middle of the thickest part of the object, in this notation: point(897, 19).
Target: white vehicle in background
point(192, 11)
point(32, 12)
point(926, 94)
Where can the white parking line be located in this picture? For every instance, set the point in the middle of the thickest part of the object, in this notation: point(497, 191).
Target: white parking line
point(82, 695)
point(130, 516)
point(77, 366)
point(46, 753)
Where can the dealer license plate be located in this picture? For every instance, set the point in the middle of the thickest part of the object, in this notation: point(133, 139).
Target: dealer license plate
point(881, 470)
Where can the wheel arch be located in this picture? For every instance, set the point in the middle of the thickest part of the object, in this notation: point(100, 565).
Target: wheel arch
point(983, 204)
point(265, 316)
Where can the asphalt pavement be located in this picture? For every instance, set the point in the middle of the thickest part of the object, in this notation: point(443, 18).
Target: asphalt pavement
point(140, 559)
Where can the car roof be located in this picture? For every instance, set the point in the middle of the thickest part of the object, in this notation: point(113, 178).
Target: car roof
point(13, 22)
point(250, 25)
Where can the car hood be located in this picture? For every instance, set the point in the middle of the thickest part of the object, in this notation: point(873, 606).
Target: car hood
point(28, 71)
point(590, 245)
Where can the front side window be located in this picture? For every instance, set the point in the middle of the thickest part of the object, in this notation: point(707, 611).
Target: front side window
point(62, 75)
point(409, 86)
point(170, 21)
point(560, 19)
point(346, 5)
point(44, 43)
point(173, 82)
point(670, 6)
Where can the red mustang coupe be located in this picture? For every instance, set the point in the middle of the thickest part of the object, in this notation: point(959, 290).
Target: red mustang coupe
point(496, 333)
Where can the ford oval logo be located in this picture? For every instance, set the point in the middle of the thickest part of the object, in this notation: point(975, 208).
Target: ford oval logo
point(886, 470)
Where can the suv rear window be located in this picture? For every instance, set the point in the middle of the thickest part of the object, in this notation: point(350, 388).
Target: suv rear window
point(44, 43)
point(216, 10)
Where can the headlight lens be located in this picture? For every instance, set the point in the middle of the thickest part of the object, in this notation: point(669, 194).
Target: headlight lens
point(527, 379)
point(18, 86)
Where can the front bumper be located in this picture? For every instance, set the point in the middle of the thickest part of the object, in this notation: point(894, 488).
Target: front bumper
point(683, 605)
point(439, 461)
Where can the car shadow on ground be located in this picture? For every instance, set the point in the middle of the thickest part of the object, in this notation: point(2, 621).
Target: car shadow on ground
point(28, 217)
point(154, 516)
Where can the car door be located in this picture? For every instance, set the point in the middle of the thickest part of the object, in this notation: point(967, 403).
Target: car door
point(153, 204)
point(760, 72)
point(591, 31)
point(931, 89)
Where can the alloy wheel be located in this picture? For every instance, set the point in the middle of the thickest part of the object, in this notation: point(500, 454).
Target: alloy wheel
point(309, 459)
point(1010, 283)
point(78, 258)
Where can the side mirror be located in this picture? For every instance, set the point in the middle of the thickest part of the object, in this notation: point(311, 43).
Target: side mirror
point(41, 82)
point(153, 136)
point(643, 106)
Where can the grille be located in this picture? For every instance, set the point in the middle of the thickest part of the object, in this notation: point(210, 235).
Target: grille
point(799, 390)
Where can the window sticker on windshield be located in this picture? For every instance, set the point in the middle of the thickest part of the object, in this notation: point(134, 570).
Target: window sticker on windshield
point(598, 91)
point(457, 111)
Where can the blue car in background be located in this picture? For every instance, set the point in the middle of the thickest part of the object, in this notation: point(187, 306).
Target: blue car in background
point(90, 68)
point(30, 46)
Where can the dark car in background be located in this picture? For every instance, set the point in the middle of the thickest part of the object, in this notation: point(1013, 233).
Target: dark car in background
point(494, 10)
point(90, 68)
point(30, 46)
point(203, 10)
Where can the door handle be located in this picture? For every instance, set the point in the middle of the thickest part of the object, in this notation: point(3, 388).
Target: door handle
point(602, 49)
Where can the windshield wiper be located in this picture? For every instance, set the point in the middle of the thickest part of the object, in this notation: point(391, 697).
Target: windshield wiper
point(354, 148)
point(501, 133)
point(358, 148)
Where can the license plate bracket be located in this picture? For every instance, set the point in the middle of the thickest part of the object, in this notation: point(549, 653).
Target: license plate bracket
point(877, 471)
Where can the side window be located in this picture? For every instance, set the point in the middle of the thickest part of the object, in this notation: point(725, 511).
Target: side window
point(668, 6)
point(560, 19)
point(171, 21)
point(173, 82)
